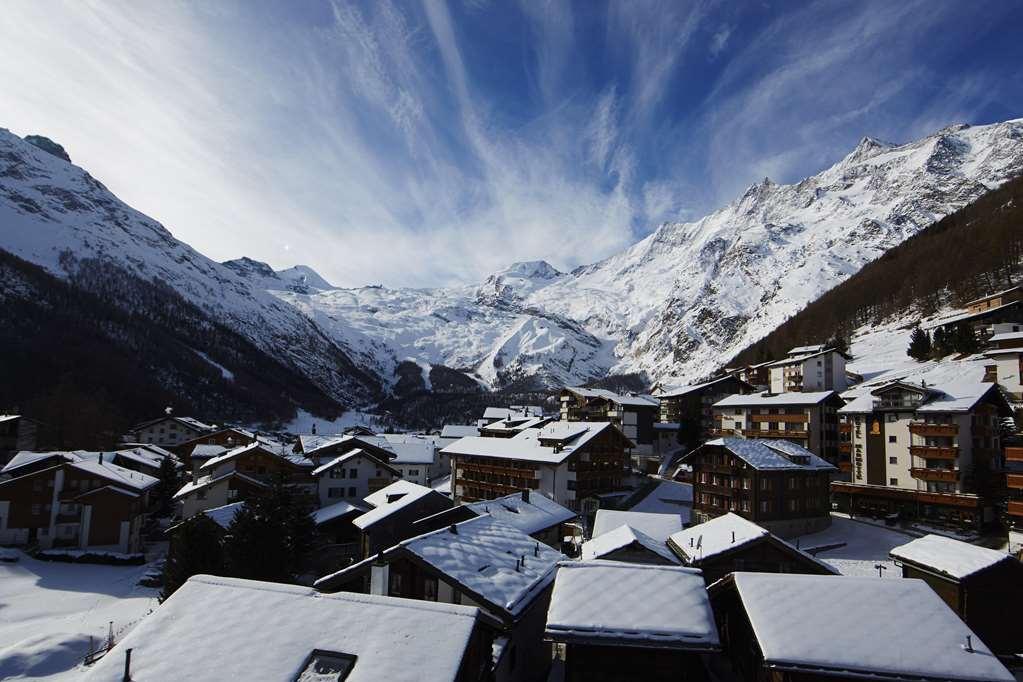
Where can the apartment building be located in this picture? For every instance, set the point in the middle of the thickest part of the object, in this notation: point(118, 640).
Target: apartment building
point(809, 419)
point(922, 451)
point(809, 369)
point(634, 415)
point(695, 404)
point(566, 461)
point(1013, 516)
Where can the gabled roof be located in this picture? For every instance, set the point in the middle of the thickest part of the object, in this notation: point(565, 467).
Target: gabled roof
point(948, 557)
point(219, 629)
point(410, 448)
point(193, 424)
point(767, 399)
point(311, 445)
point(538, 514)
point(657, 526)
point(863, 627)
point(354, 454)
point(634, 400)
point(459, 431)
point(809, 355)
point(967, 315)
point(513, 411)
point(392, 492)
point(118, 475)
point(721, 534)
point(952, 396)
point(994, 295)
point(552, 444)
point(619, 604)
point(146, 457)
point(244, 449)
point(206, 451)
point(206, 481)
point(26, 457)
point(621, 537)
point(336, 511)
point(514, 424)
point(679, 391)
point(1006, 336)
point(377, 514)
point(768, 454)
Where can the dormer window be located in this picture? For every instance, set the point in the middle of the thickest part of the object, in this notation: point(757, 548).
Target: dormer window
point(326, 666)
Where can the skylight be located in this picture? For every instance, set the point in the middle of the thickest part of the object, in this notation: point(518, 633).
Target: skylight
point(326, 666)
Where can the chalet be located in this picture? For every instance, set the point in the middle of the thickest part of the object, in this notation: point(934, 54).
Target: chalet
point(657, 526)
point(415, 456)
point(219, 629)
point(168, 431)
point(145, 458)
point(322, 449)
point(625, 621)
point(802, 628)
point(202, 453)
point(1013, 514)
point(352, 476)
point(74, 500)
point(395, 508)
point(1006, 364)
point(341, 540)
point(228, 438)
point(809, 369)
point(452, 432)
point(634, 415)
point(493, 414)
point(628, 545)
point(481, 562)
point(995, 300)
point(727, 544)
point(565, 461)
point(239, 474)
point(913, 449)
point(513, 426)
point(807, 419)
point(986, 316)
point(757, 375)
point(773, 483)
point(694, 405)
point(537, 516)
point(981, 585)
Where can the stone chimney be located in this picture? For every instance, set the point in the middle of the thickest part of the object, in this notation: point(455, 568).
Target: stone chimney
point(525, 494)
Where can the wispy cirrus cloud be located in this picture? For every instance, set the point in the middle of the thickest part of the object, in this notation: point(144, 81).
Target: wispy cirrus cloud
point(417, 144)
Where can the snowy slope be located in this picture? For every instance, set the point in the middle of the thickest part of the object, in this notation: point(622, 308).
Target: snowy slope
point(688, 297)
point(56, 215)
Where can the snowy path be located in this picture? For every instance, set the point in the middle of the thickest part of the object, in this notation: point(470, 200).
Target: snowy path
point(48, 611)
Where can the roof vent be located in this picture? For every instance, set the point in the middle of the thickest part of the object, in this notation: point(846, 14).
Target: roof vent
point(454, 529)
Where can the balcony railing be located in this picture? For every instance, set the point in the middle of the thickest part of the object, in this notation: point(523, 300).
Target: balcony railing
point(897, 404)
point(844, 427)
point(1014, 454)
point(938, 475)
point(1015, 507)
point(800, 418)
point(925, 429)
point(845, 448)
point(1014, 481)
point(934, 451)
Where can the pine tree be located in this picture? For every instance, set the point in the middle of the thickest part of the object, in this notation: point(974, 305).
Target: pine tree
point(919, 345)
point(839, 343)
point(964, 339)
point(163, 491)
point(195, 548)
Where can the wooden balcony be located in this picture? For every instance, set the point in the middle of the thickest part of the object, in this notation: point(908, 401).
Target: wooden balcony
point(786, 418)
point(1014, 454)
point(934, 452)
point(1015, 508)
point(940, 475)
point(924, 429)
point(1014, 481)
point(844, 448)
point(774, 433)
point(845, 466)
point(844, 427)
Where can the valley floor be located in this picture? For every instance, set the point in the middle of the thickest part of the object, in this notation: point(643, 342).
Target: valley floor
point(49, 610)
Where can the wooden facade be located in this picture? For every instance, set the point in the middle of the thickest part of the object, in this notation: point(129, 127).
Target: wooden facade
point(695, 405)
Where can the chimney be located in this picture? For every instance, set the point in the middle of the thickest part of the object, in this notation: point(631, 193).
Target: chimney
point(127, 666)
point(314, 428)
point(969, 644)
point(536, 550)
point(518, 566)
point(525, 494)
point(733, 537)
point(101, 458)
point(454, 529)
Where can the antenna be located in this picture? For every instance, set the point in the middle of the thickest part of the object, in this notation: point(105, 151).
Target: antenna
point(969, 644)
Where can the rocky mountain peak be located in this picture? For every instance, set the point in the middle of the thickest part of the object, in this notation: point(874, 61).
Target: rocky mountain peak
point(48, 146)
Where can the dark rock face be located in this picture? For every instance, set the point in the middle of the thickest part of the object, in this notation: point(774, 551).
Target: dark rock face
point(48, 146)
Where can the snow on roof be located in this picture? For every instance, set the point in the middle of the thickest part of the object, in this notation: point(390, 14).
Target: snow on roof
point(960, 396)
point(527, 444)
point(459, 431)
point(800, 357)
point(803, 350)
point(862, 625)
point(411, 448)
point(352, 454)
point(538, 514)
point(297, 460)
point(116, 474)
point(8, 417)
point(657, 526)
point(442, 484)
point(26, 457)
point(623, 536)
point(336, 510)
point(1006, 336)
point(381, 512)
point(515, 410)
point(771, 453)
point(637, 400)
point(668, 497)
point(622, 604)
point(994, 295)
point(949, 557)
point(721, 534)
point(223, 516)
point(1004, 351)
point(390, 493)
point(195, 423)
point(218, 629)
point(145, 457)
point(515, 424)
point(206, 451)
point(766, 399)
point(966, 315)
point(678, 391)
point(484, 556)
point(206, 481)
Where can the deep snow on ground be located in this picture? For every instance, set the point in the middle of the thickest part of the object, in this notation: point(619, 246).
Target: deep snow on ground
point(48, 611)
point(865, 546)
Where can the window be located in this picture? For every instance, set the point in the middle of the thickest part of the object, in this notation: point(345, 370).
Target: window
point(201, 495)
point(353, 473)
point(37, 485)
point(351, 491)
point(793, 505)
point(737, 425)
point(232, 495)
point(745, 505)
point(772, 426)
point(765, 484)
point(892, 439)
point(765, 506)
point(893, 417)
point(324, 666)
point(793, 482)
point(335, 492)
point(430, 589)
point(396, 584)
point(413, 472)
point(893, 481)
point(337, 472)
point(893, 460)
point(570, 484)
point(36, 509)
point(747, 483)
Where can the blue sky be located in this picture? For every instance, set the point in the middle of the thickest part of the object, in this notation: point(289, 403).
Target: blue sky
point(423, 143)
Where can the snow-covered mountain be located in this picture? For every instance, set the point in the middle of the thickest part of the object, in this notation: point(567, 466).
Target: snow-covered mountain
point(685, 299)
point(674, 306)
point(56, 215)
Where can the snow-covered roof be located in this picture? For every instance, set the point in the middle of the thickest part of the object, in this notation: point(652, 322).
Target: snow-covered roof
point(297, 460)
point(657, 526)
point(538, 514)
point(1006, 336)
point(527, 445)
point(26, 457)
point(485, 556)
point(1004, 351)
point(442, 484)
point(411, 448)
point(621, 537)
point(668, 497)
point(721, 534)
point(117, 475)
point(957, 395)
point(515, 410)
point(219, 628)
point(636, 400)
point(963, 316)
point(379, 513)
point(9, 417)
point(994, 295)
point(146, 457)
point(515, 424)
point(892, 629)
point(767, 399)
point(223, 516)
point(353, 454)
point(459, 431)
point(772, 454)
point(208, 451)
point(206, 481)
point(952, 558)
point(804, 355)
point(392, 492)
point(621, 604)
point(678, 391)
point(336, 510)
